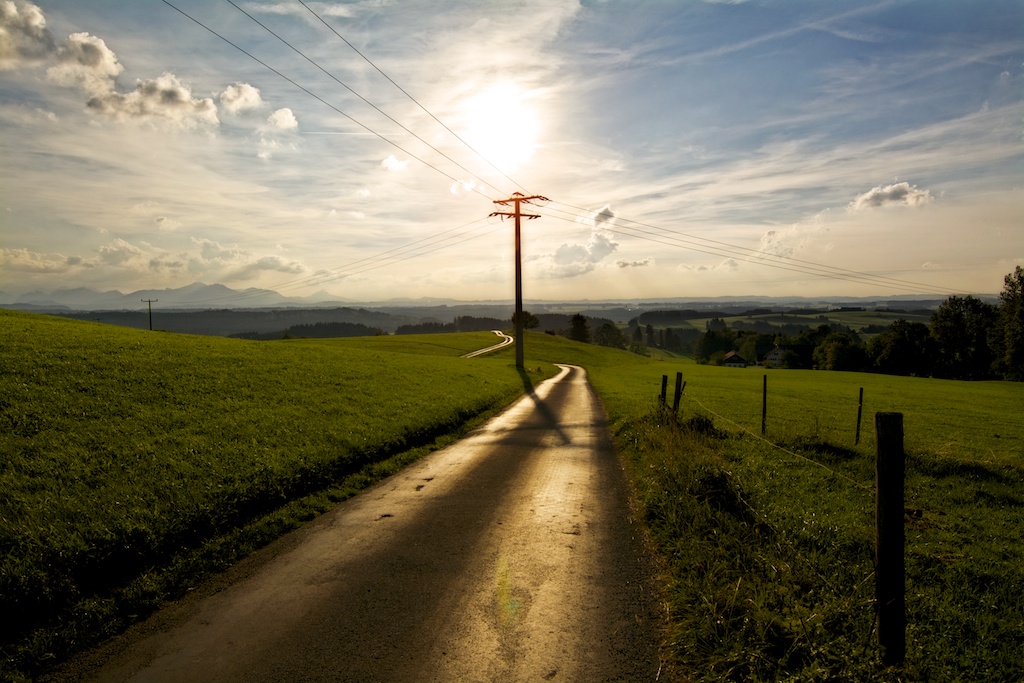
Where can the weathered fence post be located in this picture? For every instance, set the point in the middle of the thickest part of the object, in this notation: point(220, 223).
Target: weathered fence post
point(889, 561)
point(764, 405)
point(860, 412)
point(664, 388)
point(679, 392)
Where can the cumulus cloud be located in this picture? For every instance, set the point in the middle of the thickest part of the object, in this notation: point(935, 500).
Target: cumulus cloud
point(571, 260)
point(233, 263)
point(240, 97)
point(283, 119)
point(85, 61)
point(209, 250)
point(897, 194)
point(23, 35)
point(164, 100)
point(25, 261)
point(393, 164)
point(120, 252)
point(275, 264)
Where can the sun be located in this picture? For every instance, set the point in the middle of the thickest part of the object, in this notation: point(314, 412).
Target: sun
point(503, 125)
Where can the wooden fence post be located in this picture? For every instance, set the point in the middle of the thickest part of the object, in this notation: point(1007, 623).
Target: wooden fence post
point(764, 405)
point(664, 388)
point(890, 584)
point(679, 392)
point(860, 412)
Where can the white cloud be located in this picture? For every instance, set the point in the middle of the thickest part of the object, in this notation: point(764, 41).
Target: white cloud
point(393, 164)
point(23, 260)
point(86, 61)
point(164, 100)
point(635, 264)
point(120, 253)
point(571, 260)
point(23, 35)
point(598, 218)
point(210, 250)
point(262, 264)
point(897, 194)
point(283, 119)
point(240, 97)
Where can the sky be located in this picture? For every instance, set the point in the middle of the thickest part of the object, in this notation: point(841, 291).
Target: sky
point(684, 148)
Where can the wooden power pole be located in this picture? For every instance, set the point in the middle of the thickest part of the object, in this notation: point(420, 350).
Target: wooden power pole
point(150, 302)
point(517, 200)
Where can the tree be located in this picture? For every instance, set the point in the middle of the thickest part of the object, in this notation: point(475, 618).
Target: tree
point(712, 342)
point(530, 321)
point(580, 329)
point(754, 346)
point(1010, 332)
point(904, 348)
point(840, 351)
point(610, 335)
point(961, 328)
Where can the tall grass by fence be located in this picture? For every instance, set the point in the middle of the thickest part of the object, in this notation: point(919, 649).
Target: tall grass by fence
point(805, 479)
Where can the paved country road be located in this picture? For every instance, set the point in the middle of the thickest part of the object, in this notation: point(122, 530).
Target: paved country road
point(510, 556)
point(506, 340)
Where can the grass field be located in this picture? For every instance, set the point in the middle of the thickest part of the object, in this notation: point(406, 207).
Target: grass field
point(136, 462)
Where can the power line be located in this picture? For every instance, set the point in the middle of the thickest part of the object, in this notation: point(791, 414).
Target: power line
point(408, 95)
point(668, 237)
point(388, 257)
point(347, 87)
point(312, 94)
point(645, 231)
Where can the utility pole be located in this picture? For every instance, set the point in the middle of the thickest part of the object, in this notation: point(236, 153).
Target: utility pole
point(517, 200)
point(150, 302)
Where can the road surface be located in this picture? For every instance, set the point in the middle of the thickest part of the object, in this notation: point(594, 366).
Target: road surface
point(505, 341)
point(510, 556)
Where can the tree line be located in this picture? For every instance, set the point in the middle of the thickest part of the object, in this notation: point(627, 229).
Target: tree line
point(967, 339)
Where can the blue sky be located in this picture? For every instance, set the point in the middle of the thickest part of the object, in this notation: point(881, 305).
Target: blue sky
point(689, 149)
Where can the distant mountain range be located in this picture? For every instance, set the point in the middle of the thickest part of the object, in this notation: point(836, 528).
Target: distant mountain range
point(194, 296)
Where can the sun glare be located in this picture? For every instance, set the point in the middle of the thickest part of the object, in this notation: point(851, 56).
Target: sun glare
point(503, 125)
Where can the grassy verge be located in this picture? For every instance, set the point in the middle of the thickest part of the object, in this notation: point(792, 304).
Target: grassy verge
point(135, 462)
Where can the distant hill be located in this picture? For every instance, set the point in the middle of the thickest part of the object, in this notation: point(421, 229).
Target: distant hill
point(194, 296)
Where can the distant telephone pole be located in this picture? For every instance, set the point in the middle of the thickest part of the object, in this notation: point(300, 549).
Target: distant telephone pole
point(150, 302)
point(517, 200)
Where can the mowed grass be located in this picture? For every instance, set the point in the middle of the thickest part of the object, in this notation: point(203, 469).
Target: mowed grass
point(125, 452)
point(768, 541)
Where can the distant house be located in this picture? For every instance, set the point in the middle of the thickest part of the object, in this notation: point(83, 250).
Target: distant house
point(773, 359)
point(734, 360)
point(787, 355)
